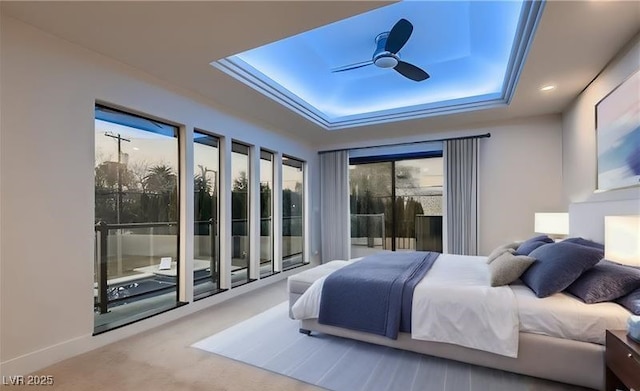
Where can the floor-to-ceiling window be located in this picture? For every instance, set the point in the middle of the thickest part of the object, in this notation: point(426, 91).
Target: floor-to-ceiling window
point(292, 212)
point(240, 180)
point(396, 204)
point(266, 213)
point(206, 253)
point(136, 217)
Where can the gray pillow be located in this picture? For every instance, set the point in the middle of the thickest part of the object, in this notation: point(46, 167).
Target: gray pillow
point(510, 247)
point(507, 268)
point(499, 251)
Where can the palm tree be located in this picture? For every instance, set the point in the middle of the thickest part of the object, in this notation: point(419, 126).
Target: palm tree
point(160, 196)
point(200, 182)
point(160, 179)
point(205, 200)
point(241, 183)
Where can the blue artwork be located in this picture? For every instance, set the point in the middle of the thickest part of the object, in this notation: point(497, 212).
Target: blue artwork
point(618, 136)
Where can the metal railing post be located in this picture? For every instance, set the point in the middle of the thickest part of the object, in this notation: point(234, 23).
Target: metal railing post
point(213, 267)
point(103, 299)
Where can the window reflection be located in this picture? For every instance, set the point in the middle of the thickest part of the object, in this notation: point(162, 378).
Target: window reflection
point(266, 213)
point(292, 212)
point(206, 247)
point(239, 213)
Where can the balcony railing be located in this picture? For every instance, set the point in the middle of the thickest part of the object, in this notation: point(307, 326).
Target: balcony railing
point(292, 247)
point(102, 230)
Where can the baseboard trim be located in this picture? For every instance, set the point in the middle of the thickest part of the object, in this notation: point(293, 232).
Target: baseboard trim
point(45, 357)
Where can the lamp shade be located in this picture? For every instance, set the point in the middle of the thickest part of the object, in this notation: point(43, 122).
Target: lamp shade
point(552, 223)
point(622, 239)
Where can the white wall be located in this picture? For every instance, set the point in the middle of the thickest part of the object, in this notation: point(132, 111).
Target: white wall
point(49, 88)
point(579, 132)
point(520, 174)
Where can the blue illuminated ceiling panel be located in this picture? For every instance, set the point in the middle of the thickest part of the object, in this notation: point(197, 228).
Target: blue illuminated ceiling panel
point(473, 52)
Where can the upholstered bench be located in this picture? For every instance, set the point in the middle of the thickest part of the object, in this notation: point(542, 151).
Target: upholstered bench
point(299, 283)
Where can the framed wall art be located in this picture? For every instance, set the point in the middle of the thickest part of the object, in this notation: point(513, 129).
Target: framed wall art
point(618, 136)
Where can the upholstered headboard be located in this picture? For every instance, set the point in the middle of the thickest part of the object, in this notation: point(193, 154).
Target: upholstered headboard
point(586, 219)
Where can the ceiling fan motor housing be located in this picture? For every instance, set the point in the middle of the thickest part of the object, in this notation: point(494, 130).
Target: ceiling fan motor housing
point(388, 44)
point(381, 57)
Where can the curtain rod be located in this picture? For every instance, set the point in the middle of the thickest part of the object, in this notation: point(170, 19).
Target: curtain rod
point(485, 135)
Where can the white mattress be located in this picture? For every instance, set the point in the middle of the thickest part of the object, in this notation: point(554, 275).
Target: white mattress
point(562, 315)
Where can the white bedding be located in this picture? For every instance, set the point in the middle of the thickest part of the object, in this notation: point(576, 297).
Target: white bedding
point(559, 315)
point(308, 305)
point(455, 303)
point(562, 315)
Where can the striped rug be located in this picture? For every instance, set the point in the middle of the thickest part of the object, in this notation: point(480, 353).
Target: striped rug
point(271, 341)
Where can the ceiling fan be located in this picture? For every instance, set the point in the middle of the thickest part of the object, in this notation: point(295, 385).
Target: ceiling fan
point(388, 44)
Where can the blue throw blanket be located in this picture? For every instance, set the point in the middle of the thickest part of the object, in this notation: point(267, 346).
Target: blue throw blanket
point(375, 294)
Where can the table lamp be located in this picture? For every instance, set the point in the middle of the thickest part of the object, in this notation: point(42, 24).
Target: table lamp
point(556, 225)
point(622, 239)
point(622, 245)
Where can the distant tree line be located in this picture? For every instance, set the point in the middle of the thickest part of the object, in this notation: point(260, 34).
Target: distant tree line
point(291, 208)
point(147, 196)
point(404, 210)
point(371, 193)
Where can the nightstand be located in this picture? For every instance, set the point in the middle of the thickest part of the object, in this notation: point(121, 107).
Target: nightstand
point(622, 358)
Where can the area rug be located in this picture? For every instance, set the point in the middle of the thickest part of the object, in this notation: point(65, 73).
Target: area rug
point(271, 341)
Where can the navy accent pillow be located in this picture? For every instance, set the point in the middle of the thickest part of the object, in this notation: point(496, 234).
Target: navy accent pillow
point(631, 302)
point(557, 266)
point(605, 281)
point(585, 242)
point(529, 245)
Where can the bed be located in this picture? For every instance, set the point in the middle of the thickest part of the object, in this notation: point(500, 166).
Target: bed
point(558, 338)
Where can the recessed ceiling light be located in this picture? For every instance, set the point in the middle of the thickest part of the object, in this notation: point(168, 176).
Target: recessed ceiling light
point(136, 148)
point(548, 88)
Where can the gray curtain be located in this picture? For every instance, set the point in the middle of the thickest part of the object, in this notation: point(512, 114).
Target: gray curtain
point(461, 187)
point(334, 205)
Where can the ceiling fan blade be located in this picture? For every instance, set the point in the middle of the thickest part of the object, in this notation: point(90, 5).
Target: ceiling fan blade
point(398, 36)
point(352, 66)
point(411, 71)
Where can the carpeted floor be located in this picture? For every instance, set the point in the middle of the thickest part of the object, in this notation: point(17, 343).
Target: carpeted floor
point(271, 341)
point(162, 359)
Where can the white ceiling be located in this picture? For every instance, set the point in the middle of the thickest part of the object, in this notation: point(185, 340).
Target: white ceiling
point(473, 50)
point(176, 41)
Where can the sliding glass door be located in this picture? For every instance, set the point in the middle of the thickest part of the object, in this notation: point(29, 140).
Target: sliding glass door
point(371, 207)
point(396, 204)
point(418, 193)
